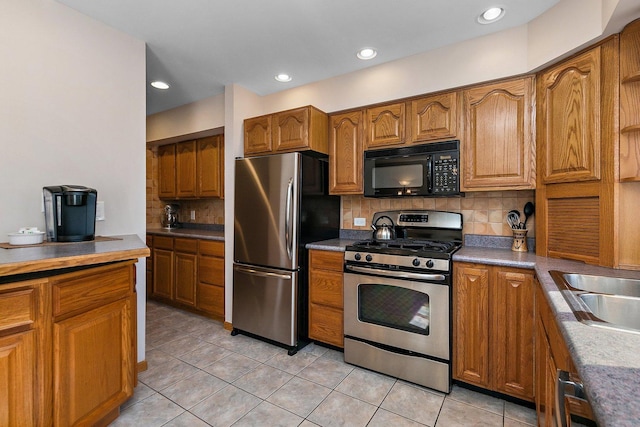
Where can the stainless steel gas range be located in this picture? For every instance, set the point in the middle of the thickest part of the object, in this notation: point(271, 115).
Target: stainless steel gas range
point(397, 298)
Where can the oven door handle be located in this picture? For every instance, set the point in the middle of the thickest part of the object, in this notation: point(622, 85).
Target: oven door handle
point(396, 274)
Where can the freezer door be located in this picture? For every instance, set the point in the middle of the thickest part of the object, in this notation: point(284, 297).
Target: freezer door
point(266, 210)
point(264, 303)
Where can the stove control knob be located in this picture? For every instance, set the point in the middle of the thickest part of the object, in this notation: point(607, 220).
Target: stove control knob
point(416, 262)
point(357, 257)
point(369, 258)
point(430, 263)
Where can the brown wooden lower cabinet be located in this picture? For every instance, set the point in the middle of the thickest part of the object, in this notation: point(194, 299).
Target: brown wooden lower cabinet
point(325, 297)
point(68, 347)
point(189, 273)
point(552, 354)
point(493, 342)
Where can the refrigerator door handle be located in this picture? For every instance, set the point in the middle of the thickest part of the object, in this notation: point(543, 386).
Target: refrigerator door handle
point(261, 273)
point(287, 221)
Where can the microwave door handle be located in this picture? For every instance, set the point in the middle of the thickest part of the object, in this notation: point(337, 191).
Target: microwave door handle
point(430, 174)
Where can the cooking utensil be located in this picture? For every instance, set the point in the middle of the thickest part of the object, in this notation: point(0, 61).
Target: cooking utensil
point(383, 231)
point(513, 219)
point(529, 209)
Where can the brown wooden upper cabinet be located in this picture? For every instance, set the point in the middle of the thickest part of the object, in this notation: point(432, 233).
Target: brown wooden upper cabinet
point(385, 125)
point(569, 98)
point(210, 179)
point(257, 135)
point(498, 148)
point(346, 153)
point(434, 117)
point(191, 169)
point(186, 169)
point(630, 102)
point(167, 171)
point(304, 128)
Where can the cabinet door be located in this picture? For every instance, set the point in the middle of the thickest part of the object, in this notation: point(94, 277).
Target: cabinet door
point(290, 130)
point(163, 273)
point(434, 117)
point(98, 344)
point(17, 379)
point(512, 349)
point(346, 154)
point(386, 125)
point(257, 135)
point(569, 119)
point(210, 167)
point(186, 169)
point(498, 149)
point(167, 171)
point(185, 279)
point(471, 324)
point(542, 377)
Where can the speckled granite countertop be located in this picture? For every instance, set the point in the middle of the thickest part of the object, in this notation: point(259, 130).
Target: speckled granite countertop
point(607, 361)
point(40, 258)
point(193, 233)
point(335, 245)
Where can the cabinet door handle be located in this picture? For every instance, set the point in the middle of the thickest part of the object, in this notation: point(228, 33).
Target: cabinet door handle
point(566, 387)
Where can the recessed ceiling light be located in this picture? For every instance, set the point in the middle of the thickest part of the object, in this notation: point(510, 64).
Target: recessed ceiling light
point(367, 53)
point(282, 77)
point(160, 85)
point(491, 15)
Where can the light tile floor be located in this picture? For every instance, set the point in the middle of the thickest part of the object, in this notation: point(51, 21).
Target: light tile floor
point(199, 375)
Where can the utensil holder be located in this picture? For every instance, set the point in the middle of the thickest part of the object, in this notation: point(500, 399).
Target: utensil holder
point(519, 240)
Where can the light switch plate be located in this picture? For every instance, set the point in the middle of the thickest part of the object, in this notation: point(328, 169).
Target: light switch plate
point(359, 222)
point(193, 215)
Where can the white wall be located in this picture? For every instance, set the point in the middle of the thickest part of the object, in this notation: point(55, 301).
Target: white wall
point(198, 116)
point(72, 111)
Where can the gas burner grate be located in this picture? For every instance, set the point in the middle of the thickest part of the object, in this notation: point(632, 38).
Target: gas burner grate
point(408, 244)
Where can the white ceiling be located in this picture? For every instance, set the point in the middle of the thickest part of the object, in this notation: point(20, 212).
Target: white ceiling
point(200, 46)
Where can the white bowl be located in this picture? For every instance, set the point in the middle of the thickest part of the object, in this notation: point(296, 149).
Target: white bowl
point(32, 238)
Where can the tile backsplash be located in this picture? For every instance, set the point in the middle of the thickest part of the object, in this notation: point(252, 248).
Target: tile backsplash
point(207, 211)
point(482, 212)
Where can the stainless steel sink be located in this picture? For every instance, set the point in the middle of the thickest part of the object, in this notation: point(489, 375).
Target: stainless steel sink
point(616, 310)
point(602, 301)
point(603, 284)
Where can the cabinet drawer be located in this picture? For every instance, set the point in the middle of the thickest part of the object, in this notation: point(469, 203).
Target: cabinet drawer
point(212, 248)
point(325, 287)
point(186, 245)
point(18, 308)
point(211, 270)
point(326, 325)
point(326, 260)
point(82, 290)
point(211, 299)
point(161, 242)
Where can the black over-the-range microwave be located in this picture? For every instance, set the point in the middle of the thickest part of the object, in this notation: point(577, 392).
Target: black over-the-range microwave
point(426, 170)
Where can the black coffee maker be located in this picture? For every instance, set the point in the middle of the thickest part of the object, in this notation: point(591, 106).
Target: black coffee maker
point(70, 213)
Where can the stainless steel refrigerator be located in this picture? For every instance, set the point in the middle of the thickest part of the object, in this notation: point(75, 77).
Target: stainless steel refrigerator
point(281, 204)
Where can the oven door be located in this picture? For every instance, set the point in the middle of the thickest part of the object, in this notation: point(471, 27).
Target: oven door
point(406, 314)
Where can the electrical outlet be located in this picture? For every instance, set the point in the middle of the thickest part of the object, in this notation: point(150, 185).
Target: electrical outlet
point(359, 222)
point(193, 215)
